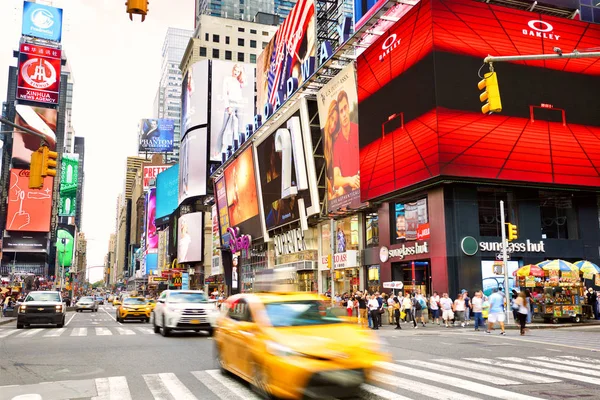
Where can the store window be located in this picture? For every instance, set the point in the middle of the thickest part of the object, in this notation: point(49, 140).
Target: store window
point(253, 262)
point(372, 229)
point(410, 221)
point(488, 201)
point(346, 234)
point(559, 216)
point(373, 281)
point(325, 239)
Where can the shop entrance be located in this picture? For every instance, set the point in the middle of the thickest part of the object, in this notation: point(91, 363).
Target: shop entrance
point(417, 271)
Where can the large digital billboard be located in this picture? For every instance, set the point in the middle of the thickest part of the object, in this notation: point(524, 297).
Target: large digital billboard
point(29, 210)
point(338, 116)
point(156, 135)
point(192, 164)
point(167, 191)
point(151, 174)
point(435, 127)
point(194, 97)
point(39, 74)
point(39, 119)
point(42, 21)
point(65, 244)
point(151, 232)
point(290, 54)
point(69, 173)
point(189, 238)
point(232, 104)
point(25, 242)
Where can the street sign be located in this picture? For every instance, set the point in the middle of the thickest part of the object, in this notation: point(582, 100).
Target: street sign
point(499, 256)
point(393, 285)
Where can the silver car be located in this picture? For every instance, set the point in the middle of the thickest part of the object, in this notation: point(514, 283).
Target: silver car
point(86, 303)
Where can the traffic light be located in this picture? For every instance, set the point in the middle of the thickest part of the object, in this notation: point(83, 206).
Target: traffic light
point(512, 232)
point(48, 161)
point(137, 7)
point(36, 181)
point(491, 95)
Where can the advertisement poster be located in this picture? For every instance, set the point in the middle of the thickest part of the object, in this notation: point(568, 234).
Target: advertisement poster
point(232, 104)
point(25, 242)
point(597, 280)
point(189, 237)
point(194, 97)
point(39, 119)
point(185, 281)
point(192, 165)
point(65, 245)
point(163, 240)
point(242, 200)
point(530, 281)
point(235, 271)
point(39, 74)
point(151, 173)
point(289, 54)
point(221, 199)
point(167, 191)
point(69, 173)
point(151, 232)
point(29, 210)
point(492, 280)
point(42, 21)
point(411, 221)
point(338, 115)
point(156, 135)
point(216, 253)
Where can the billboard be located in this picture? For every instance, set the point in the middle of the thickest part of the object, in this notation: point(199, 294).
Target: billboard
point(436, 128)
point(65, 245)
point(194, 97)
point(167, 191)
point(232, 104)
point(338, 116)
point(42, 21)
point(151, 173)
point(221, 202)
point(69, 172)
point(39, 74)
point(29, 210)
point(39, 119)
point(25, 242)
point(193, 165)
point(156, 135)
point(289, 54)
point(190, 233)
point(411, 221)
point(151, 232)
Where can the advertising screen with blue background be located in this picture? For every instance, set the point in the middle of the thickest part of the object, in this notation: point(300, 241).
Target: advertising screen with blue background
point(42, 21)
point(167, 190)
point(151, 263)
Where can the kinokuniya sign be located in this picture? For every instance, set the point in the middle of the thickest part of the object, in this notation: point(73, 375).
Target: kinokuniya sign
point(470, 246)
point(289, 242)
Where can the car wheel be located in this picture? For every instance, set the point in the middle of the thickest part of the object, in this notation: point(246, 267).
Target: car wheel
point(19, 326)
point(259, 381)
point(61, 324)
point(156, 327)
point(165, 331)
point(210, 332)
point(147, 320)
point(577, 319)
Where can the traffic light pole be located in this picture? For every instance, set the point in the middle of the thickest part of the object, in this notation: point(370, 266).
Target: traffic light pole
point(22, 128)
point(504, 260)
point(559, 54)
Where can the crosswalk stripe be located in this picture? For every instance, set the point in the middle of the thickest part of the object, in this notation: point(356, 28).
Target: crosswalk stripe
point(6, 332)
point(420, 388)
point(543, 371)
point(455, 371)
point(79, 332)
point(125, 331)
point(459, 383)
point(167, 386)
point(386, 394)
point(146, 331)
point(498, 371)
point(550, 365)
point(225, 388)
point(568, 362)
point(112, 388)
point(100, 331)
point(29, 333)
point(55, 332)
point(582, 359)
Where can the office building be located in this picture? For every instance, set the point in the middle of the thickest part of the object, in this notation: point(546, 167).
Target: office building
point(245, 10)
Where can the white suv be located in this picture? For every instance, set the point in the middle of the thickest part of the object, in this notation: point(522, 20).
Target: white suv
point(184, 310)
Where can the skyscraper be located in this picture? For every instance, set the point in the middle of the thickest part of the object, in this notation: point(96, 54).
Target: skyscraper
point(243, 9)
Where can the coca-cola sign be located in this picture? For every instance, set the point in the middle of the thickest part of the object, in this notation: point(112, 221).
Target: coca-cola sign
point(240, 243)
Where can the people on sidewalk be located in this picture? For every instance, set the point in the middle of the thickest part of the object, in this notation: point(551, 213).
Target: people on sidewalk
point(396, 307)
point(477, 308)
point(496, 311)
point(374, 307)
point(407, 307)
point(446, 306)
point(521, 308)
point(459, 310)
point(434, 305)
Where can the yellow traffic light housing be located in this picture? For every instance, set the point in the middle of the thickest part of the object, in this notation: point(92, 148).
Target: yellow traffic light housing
point(36, 181)
point(137, 7)
point(491, 95)
point(49, 161)
point(512, 232)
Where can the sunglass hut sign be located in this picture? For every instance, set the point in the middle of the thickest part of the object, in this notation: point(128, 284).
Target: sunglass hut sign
point(540, 29)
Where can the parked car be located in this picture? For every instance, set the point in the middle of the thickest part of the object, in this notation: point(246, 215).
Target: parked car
point(184, 310)
point(45, 307)
point(86, 303)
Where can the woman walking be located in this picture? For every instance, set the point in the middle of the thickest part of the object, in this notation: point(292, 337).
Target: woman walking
point(521, 310)
point(396, 307)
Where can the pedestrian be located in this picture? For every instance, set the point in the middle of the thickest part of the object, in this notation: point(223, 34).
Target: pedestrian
point(380, 309)
point(459, 309)
point(396, 307)
point(592, 300)
point(477, 307)
point(496, 311)
point(521, 303)
point(434, 305)
point(349, 307)
point(374, 311)
point(362, 308)
point(529, 301)
point(446, 307)
point(390, 308)
point(407, 307)
point(419, 306)
point(467, 306)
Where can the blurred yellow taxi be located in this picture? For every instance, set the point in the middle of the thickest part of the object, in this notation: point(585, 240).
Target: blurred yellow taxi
point(133, 308)
point(151, 304)
point(116, 301)
point(293, 346)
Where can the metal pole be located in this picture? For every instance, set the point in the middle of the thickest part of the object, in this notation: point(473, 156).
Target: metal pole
point(22, 128)
point(332, 243)
point(575, 54)
point(504, 260)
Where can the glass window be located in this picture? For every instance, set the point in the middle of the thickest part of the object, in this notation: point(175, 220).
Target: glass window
point(253, 44)
point(134, 301)
point(239, 311)
point(488, 201)
point(228, 55)
point(215, 53)
point(264, 44)
point(253, 58)
point(252, 31)
point(410, 221)
point(187, 297)
point(226, 39)
point(265, 33)
point(372, 229)
point(38, 296)
point(202, 51)
point(216, 38)
point(241, 30)
point(241, 57)
point(241, 42)
point(299, 313)
point(559, 216)
point(206, 36)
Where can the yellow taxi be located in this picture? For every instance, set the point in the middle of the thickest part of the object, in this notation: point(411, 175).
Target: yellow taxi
point(116, 301)
point(151, 303)
point(110, 298)
point(133, 308)
point(292, 346)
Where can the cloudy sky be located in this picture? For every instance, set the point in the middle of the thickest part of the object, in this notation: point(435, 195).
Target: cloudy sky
point(116, 66)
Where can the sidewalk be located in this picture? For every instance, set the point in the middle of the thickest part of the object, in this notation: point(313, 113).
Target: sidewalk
point(512, 325)
point(6, 320)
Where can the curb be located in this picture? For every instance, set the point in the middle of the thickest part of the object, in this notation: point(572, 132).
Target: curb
point(8, 320)
point(512, 326)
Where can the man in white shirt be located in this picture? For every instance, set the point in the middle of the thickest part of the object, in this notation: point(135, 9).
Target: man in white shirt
point(435, 309)
point(477, 307)
point(446, 305)
point(373, 306)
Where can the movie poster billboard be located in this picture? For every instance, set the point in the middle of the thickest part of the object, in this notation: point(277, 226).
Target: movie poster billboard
point(26, 242)
point(338, 115)
point(151, 174)
point(193, 164)
point(29, 210)
point(156, 135)
point(42, 21)
point(69, 173)
point(289, 54)
point(221, 202)
point(194, 97)
point(151, 232)
point(39, 74)
point(39, 119)
point(411, 221)
point(232, 104)
point(189, 237)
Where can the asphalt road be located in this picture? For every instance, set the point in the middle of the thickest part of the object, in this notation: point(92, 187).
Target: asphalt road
point(94, 357)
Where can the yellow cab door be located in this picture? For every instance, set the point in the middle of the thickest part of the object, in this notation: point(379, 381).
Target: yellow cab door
point(241, 337)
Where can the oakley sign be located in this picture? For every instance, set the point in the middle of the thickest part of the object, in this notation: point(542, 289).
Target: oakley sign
point(541, 29)
point(389, 45)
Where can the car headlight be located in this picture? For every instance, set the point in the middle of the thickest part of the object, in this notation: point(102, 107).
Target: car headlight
point(59, 308)
point(280, 350)
point(175, 310)
point(22, 309)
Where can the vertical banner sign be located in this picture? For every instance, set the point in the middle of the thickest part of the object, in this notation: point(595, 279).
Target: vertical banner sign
point(338, 113)
point(69, 174)
point(216, 253)
point(151, 172)
point(221, 193)
point(42, 21)
point(185, 281)
point(151, 233)
point(39, 74)
point(162, 248)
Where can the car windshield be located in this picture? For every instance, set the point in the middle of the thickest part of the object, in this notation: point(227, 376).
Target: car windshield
point(299, 313)
point(43, 297)
point(134, 301)
point(181, 297)
point(86, 299)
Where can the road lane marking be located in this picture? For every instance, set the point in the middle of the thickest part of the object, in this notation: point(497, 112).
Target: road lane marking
point(554, 365)
point(70, 319)
point(451, 370)
point(5, 332)
point(100, 331)
point(384, 394)
point(167, 386)
point(113, 318)
point(112, 388)
point(419, 388)
point(79, 332)
point(541, 341)
point(55, 332)
point(29, 333)
point(498, 371)
point(124, 331)
point(224, 387)
point(568, 362)
point(452, 381)
point(584, 359)
point(146, 331)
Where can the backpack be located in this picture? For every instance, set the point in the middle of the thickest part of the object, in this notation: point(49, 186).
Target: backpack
point(423, 303)
point(417, 305)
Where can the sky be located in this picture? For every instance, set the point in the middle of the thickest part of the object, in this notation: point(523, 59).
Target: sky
point(116, 68)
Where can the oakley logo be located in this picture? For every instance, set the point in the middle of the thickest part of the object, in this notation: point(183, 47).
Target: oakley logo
point(540, 29)
point(389, 45)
